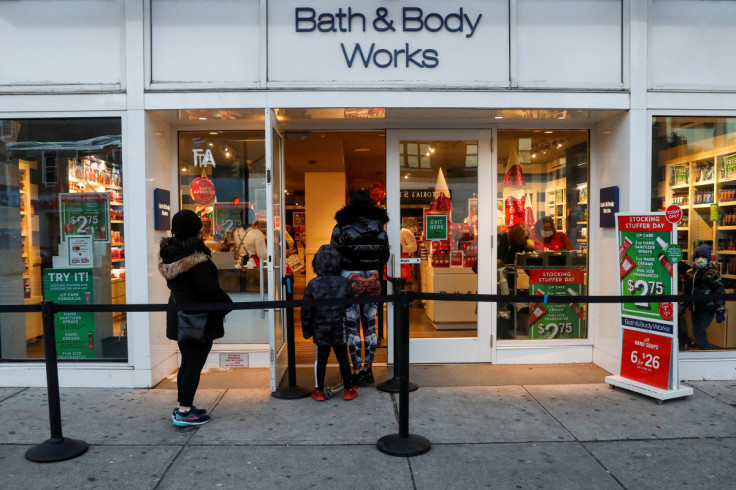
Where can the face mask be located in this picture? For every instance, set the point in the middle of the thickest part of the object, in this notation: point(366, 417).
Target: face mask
point(547, 234)
point(700, 262)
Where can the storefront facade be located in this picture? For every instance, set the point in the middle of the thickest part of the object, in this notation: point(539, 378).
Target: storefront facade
point(623, 90)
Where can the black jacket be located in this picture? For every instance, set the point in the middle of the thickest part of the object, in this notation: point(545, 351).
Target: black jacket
point(192, 278)
point(360, 238)
point(704, 281)
point(326, 323)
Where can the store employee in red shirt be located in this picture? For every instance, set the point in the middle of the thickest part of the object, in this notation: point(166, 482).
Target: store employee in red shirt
point(548, 238)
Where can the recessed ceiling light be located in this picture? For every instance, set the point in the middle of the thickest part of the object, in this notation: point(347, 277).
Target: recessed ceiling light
point(499, 117)
point(213, 132)
point(202, 118)
point(361, 149)
point(548, 132)
point(211, 144)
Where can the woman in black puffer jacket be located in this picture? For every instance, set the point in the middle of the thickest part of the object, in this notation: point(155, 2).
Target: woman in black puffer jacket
point(326, 323)
point(360, 238)
point(184, 261)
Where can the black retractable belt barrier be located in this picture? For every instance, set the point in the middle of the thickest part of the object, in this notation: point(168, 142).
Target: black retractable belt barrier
point(391, 385)
point(403, 443)
point(291, 392)
point(58, 447)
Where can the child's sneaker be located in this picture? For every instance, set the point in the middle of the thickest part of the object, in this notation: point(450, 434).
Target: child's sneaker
point(198, 411)
point(350, 394)
point(358, 379)
point(318, 395)
point(189, 418)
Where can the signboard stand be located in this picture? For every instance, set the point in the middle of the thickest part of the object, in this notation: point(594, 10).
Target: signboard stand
point(648, 267)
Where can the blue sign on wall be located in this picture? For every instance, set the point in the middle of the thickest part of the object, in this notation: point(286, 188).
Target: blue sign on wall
point(162, 209)
point(609, 207)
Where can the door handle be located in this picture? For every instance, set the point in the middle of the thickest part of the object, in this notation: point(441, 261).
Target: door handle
point(260, 273)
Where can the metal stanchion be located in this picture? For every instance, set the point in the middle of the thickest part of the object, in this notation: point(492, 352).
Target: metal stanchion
point(391, 385)
point(292, 391)
point(58, 447)
point(403, 443)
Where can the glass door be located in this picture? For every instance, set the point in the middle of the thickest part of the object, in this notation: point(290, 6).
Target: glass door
point(441, 194)
point(275, 268)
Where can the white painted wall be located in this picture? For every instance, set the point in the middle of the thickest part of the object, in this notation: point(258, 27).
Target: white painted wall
point(569, 43)
point(161, 141)
point(611, 141)
point(66, 44)
point(203, 41)
point(692, 44)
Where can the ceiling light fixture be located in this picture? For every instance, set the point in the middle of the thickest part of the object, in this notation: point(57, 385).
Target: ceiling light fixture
point(548, 132)
point(213, 132)
point(499, 117)
point(361, 149)
point(202, 118)
point(534, 155)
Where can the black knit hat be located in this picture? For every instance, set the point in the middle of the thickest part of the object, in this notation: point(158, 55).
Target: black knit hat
point(185, 224)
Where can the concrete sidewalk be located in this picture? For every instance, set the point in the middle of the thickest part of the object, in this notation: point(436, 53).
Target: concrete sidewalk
point(519, 436)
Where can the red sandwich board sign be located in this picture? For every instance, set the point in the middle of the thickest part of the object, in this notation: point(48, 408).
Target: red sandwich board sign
point(649, 347)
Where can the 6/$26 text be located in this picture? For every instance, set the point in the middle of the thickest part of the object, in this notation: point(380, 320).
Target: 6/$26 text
point(413, 19)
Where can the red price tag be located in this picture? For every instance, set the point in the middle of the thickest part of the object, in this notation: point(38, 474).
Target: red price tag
point(645, 358)
point(666, 311)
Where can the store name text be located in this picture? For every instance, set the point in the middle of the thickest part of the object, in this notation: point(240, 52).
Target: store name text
point(413, 19)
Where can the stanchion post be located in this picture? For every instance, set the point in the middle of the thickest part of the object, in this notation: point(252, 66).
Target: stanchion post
point(403, 444)
point(391, 385)
point(292, 391)
point(57, 448)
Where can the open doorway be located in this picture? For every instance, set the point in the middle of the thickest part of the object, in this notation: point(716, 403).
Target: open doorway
point(321, 170)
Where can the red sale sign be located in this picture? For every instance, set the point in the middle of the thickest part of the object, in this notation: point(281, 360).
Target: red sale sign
point(645, 357)
point(673, 213)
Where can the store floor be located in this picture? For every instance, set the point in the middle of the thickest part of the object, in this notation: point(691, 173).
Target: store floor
point(446, 375)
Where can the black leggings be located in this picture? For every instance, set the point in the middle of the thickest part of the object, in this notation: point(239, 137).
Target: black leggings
point(320, 364)
point(193, 357)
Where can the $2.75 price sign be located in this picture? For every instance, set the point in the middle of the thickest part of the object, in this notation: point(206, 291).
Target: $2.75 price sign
point(85, 213)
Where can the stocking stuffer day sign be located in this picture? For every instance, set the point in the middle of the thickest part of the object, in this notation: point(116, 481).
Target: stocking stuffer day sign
point(649, 360)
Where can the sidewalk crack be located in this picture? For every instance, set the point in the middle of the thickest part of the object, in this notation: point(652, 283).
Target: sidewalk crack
point(577, 441)
point(14, 394)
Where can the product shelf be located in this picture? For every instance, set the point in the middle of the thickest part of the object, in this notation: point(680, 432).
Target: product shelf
point(706, 205)
point(116, 203)
point(728, 179)
point(726, 228)
point(726, 252)
point(118, 260)
point(704, 183)
point(116, 221)
point(116, 244)
point(729, 276)
point(727, 204)
point(680, 186)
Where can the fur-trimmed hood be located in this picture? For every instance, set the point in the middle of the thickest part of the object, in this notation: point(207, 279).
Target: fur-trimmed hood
point(355, 211)
point(174, 259)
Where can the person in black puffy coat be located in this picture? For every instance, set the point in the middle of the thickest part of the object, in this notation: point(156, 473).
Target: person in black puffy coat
point(360, 238)
point(184, 261)
point(704, 279)
point(325, 324)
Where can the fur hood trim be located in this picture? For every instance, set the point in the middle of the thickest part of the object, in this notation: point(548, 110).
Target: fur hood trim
point(170, 271)
point(352, 212)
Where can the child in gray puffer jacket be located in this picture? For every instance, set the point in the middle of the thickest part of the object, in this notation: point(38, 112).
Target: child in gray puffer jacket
point(326, 323)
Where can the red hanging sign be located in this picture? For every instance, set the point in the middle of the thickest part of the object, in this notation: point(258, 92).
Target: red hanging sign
point(378, 192)
point(202, 190)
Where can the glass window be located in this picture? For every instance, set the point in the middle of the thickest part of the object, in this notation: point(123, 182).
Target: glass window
point(62, 237)
point(694, 166)
point(542, 231)
point(439, 224)
point(222, 177)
